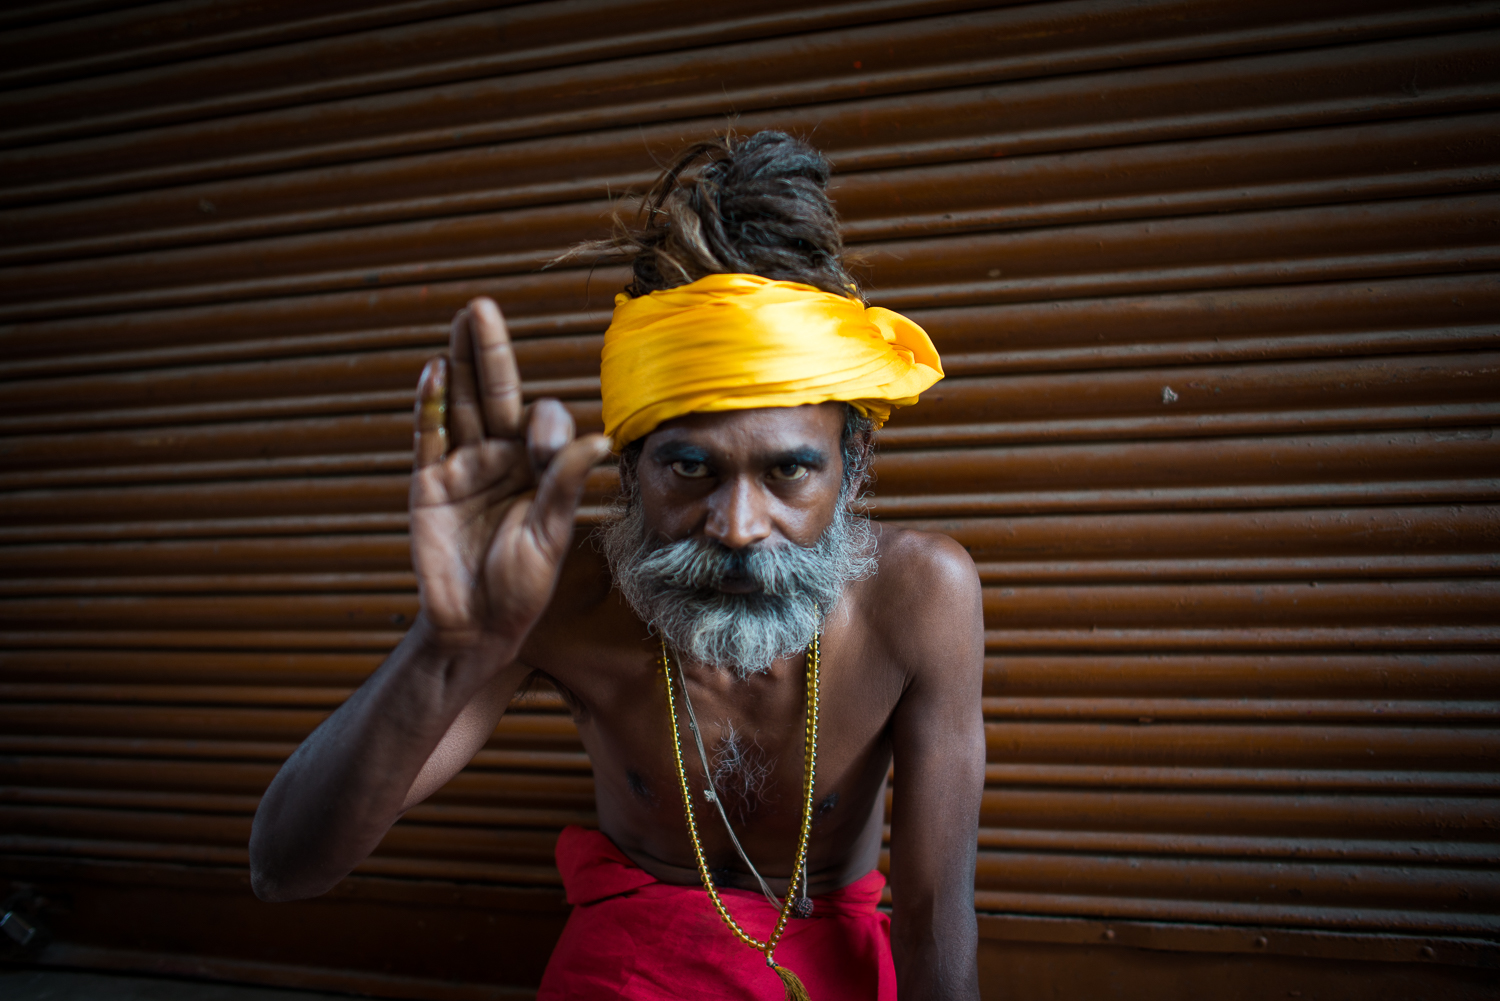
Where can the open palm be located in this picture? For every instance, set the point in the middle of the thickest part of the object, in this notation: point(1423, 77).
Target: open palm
point(494, 488)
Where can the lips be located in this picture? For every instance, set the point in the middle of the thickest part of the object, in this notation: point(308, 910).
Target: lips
point(737, 584)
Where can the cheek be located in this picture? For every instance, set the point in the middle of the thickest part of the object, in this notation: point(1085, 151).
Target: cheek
point(806, 517)
point(667, 510)
point(660, 487)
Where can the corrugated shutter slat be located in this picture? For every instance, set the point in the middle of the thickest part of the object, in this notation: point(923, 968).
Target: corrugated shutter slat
point(1216, 286)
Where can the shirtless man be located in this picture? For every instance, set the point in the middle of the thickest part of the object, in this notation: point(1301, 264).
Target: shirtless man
point(733, 550)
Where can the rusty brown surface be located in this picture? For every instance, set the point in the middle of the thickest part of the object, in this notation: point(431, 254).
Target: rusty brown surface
point(1217, 288)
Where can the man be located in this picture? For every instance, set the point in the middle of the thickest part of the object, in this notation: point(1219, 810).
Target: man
point(740, 631)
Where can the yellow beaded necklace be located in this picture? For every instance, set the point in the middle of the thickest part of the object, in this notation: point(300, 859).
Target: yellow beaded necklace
point(793, 986)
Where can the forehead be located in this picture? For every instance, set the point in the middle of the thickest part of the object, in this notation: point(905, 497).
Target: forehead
point(751, 433)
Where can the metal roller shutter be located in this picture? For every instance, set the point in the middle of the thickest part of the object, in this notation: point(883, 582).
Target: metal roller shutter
point(1217, 288)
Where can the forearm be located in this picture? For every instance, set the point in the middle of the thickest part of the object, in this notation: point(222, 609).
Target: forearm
point(934, 932)
point(341, 790)
point(935, 942)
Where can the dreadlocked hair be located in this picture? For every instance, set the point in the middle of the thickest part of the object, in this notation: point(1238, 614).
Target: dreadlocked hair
point(756, 205)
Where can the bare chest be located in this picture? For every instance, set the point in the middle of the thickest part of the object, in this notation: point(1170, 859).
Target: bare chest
point(753, 733)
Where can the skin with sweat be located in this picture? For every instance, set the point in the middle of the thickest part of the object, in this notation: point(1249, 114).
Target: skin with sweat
point(509, 588)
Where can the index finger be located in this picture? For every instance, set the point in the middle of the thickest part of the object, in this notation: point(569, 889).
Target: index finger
point(495, 364)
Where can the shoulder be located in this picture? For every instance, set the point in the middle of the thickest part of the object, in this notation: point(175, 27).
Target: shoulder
point(924, 597)
point(922, 559)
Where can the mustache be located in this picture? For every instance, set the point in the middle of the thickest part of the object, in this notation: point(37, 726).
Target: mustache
point(705, 565)
point(678, 587)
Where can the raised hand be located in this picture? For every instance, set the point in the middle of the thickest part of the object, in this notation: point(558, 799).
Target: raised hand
point(493, 497)
point(494, 489)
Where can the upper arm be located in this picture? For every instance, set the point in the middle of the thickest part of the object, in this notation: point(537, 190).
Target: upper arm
point(938, 746)
point(467, 734)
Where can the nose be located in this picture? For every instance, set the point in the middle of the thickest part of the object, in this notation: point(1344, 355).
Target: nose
point(737, 514)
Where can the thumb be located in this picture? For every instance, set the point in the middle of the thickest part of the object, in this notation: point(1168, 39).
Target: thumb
point(551, 514)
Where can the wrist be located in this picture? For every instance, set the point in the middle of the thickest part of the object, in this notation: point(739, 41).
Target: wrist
point(449, 642)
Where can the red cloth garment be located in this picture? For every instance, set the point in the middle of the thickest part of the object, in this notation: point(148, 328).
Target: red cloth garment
point(632, 936)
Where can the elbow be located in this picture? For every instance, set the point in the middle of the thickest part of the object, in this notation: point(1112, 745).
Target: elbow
point(274, 885)
point(275, 888)
point(267, 881)
point(265, 886)
point(272, 876)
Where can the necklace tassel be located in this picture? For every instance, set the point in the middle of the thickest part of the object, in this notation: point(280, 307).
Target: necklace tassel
point(794, 989)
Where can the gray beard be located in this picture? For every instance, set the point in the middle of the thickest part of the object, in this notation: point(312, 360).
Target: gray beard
point(673, 587)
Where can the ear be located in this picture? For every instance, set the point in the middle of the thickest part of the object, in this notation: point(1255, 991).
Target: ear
point(864, 449)
point(630, 466)
point(858, 450)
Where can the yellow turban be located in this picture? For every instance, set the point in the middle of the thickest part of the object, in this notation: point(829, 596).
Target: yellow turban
point(737, 342)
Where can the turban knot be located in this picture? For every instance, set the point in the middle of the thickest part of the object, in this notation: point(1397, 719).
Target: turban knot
point(738, 342)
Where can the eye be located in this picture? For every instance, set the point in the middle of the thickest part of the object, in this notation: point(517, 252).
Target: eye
point(690, 469)
point(789, 471)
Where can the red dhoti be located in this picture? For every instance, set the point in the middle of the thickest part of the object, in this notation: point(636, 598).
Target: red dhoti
point(633, 936)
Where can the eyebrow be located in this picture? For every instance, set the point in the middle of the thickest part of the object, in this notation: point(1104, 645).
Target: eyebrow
point(679, 451)
point(669, 452)
point(813, 458)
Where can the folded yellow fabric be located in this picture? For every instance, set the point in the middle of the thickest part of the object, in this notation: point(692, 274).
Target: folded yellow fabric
point(737, 342)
